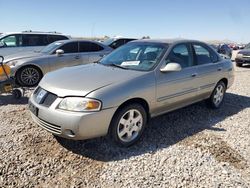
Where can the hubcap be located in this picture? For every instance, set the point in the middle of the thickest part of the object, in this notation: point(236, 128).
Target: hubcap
point(130, 125)
point(30, 76)
point(218, 95)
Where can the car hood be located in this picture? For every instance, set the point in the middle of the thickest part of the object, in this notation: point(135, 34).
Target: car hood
point(84, 79)
point(22, 55)
point(245, 52)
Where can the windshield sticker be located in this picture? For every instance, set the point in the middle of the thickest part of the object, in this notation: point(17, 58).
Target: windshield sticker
point(130, 63)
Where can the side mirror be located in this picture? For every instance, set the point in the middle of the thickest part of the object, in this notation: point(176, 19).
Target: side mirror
point(59, 52)
point(1, 59)
point(171, 67)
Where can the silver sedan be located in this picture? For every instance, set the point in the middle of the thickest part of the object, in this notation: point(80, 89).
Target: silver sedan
point(118, 95)
point(29, 68)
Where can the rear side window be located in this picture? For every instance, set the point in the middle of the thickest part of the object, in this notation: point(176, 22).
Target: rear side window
point(53, 38)
point(34, 40)
point(203, 55)
point(89, 47)
point(71, 47)
point(180, 54)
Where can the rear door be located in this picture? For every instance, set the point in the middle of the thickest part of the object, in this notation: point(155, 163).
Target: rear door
point(93, 51)
point(208, 67)
point(33, 42)
point(177, 89)
point(70, 57)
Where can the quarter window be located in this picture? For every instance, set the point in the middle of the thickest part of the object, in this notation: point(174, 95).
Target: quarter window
point(180, 54)
point(203, 55)
point(53, 38)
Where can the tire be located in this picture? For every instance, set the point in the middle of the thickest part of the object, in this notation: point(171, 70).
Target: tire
point(126, 130)
point(238, 64)
point(29, 76)
point(17, 93)
point(217, 96)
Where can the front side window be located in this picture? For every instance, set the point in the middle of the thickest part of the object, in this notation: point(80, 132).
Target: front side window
point(71, 47)
point(180, 54)
point(136, 56)
point(203, 55)
point(11, 41)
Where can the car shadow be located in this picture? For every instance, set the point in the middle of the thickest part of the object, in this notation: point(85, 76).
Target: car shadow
point(10, 99)
point(162, 131)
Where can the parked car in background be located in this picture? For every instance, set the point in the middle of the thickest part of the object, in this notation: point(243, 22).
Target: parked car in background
point(117, 41)
point(243, 56)
point(11, 43)
point(224, 50)
point(29, 68)
point(118, 95)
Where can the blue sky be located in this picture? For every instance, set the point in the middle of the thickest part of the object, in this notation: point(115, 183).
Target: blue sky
point(194, 19)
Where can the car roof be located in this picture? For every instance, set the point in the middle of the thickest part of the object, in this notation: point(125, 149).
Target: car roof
point(166, 41)
point(33, 32)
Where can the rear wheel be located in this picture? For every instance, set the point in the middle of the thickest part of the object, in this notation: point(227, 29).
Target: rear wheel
point(29, 76)
point(217, 96)
point(128, 125)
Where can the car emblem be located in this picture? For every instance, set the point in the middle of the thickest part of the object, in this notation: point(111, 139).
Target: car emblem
point(40, 96)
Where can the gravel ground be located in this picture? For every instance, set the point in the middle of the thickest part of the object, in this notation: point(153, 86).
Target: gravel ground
point(190, 147)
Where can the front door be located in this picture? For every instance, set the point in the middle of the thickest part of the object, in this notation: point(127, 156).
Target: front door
point(177, 89)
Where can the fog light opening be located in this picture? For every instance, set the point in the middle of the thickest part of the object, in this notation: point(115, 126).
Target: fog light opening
point(69, 133)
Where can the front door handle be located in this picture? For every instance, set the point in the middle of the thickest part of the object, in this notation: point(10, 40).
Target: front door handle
point(219, 69)
point(77, 57)
point(194, 75)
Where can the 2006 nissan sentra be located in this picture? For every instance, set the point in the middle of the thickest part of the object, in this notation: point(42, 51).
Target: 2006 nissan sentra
point(117, 95)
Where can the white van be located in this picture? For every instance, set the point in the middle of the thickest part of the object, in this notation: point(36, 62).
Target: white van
point(11, 43)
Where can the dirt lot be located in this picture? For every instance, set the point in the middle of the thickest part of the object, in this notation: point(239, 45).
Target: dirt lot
point(191, 147)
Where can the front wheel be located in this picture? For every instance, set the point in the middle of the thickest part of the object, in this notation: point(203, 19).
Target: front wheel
point(28, 76)
point(128, 125)
point(217, 96)
point(238, 64)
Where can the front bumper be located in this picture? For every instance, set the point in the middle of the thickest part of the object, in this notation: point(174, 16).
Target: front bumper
point(243, 60)
point(71, 125)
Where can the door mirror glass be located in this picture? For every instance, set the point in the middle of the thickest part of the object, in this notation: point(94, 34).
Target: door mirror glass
point(59, 52)
point(171, 67)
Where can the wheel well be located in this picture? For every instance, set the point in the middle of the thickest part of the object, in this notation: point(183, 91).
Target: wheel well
point(38, 68)
point(140, 101)
point(225, 81)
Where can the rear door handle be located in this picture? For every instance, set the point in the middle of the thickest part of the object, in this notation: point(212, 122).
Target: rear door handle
point(194, 75)
point(77, 57)
point(219, 69)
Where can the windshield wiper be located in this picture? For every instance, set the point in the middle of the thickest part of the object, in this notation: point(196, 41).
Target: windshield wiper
point(119, 66)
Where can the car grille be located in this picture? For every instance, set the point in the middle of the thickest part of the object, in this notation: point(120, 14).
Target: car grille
point(48, 99)
point(55, 129)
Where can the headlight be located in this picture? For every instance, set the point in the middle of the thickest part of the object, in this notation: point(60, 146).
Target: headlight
point(12, 63)
point(239, 55)
point(80, 104)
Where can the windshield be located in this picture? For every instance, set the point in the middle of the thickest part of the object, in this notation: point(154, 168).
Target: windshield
point(136, 56)
point(51, 47)
point(108, 41)
point(247, 46)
